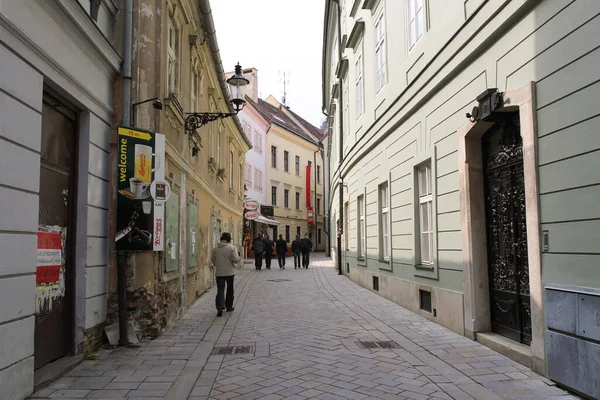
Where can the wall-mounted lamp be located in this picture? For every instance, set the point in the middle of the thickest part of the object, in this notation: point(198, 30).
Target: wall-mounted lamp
point(237, 87)
point(156, 104)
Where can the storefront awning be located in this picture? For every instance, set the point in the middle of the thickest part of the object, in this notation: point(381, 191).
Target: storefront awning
point(267, 221)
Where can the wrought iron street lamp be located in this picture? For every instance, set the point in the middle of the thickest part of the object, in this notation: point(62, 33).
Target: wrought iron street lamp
point(237, 87)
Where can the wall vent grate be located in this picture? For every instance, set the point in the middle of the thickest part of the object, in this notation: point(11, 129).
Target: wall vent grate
point(233, 350)
point(425, 300)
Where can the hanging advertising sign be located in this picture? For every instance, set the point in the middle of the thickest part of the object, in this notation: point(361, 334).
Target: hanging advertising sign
point(141, 190)
point(310, 215)
point(251, 205)
point(251, 215)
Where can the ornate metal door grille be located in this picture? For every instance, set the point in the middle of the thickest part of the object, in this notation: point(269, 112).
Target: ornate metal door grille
point(507, 230)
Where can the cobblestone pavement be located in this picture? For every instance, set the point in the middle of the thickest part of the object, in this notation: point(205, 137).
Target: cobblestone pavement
point(302, 327)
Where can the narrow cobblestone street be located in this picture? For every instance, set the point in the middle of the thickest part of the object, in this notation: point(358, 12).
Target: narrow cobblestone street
point(302, 329)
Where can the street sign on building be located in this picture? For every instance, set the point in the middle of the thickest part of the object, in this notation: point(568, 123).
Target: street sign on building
point(251, 205)
point(310, 215)
point(251, 215)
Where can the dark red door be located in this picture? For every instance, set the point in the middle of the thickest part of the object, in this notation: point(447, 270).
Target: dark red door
point(53, 322)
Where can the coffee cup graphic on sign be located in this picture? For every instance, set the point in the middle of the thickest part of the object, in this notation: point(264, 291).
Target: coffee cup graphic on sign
point(137, 187)
point(143, 162)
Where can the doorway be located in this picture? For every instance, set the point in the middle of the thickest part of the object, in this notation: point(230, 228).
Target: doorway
point(506, 225)
point(55, 267)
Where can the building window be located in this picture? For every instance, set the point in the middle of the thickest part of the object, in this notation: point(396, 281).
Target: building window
point(274, 233)
point(286, 198)
point(287, 233)
point(219, 139)
point(173, 57)
point(286, 161)
point(318, 174)
point(230, 169)
point(384, 228)
point(241, 180)
point(358, 70)
point(297, 166)
point(273, 195)
point(298, 230)
point(416, 20)
point(319, 236)
point(297, 200)
point(258, 143)
point(318, 206)
point(273, 157)
point(380, 52)
point(425, 214)
point(248, 177)
point(360, 218)
point(258, 180)
point(194, 87)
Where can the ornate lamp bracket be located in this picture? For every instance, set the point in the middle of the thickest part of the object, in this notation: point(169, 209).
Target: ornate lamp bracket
point(196, 120)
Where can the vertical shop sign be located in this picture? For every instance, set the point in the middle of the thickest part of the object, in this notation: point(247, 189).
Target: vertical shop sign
point(142, 190)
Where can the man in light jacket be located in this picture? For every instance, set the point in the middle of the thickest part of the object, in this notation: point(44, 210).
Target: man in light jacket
point(226, 259)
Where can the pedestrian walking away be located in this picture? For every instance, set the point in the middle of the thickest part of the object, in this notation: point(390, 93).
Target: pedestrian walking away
point(268, 251)
point(306, 246)
point(281, 248)
point(258, 247)
point(297, 252)
point(226, 259)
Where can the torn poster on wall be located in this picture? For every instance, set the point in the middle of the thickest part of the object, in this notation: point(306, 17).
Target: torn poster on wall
point(50, 266)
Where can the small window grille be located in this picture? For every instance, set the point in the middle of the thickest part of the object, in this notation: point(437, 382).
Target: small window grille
point(425, 300)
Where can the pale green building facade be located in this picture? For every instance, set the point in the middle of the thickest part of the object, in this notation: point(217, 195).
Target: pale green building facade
point(486, 224)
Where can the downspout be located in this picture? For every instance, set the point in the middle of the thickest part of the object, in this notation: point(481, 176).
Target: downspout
point(126, 121)
point(341, 140)
point(315, 215)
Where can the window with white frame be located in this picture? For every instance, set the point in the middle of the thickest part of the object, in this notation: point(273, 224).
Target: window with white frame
point(230, 169)
point(361, 228)
point(258, 180)
point(286, 161)
point(173, 57)
point(286, 198)
point(248, 177)
point(425, 213)
point(273, 157)
point(384, 228)
point(318, 174)
point(273, 195)
point(297, 200)
point(297, 166)
point(380, 52)
point(416, 20)
point(219, 138)
point(358, 73)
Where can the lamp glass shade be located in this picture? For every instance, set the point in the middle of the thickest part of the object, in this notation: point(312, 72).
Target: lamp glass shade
point(237, 87)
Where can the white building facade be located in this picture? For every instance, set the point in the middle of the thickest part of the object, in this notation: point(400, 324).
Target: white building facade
point(56, 109)
point(471, 220)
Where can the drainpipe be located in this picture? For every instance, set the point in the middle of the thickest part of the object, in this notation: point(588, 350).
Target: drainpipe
point(126, 121)
point(341, 140)
point(315, 215)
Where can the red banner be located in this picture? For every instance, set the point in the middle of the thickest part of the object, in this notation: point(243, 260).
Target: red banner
point(310, 215)
point(307, 186)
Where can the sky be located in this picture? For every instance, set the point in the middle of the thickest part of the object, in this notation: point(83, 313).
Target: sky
point(276, 37)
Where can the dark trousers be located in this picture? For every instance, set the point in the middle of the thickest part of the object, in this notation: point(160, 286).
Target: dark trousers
point(268, 260)
point(281, 259)
point(224, 300)
point(258, 260)
point(305, 258)
point(297, 260)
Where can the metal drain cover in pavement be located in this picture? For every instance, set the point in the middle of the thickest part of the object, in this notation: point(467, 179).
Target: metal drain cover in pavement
point(279, 280)
point(233, 350)
point(378, 345)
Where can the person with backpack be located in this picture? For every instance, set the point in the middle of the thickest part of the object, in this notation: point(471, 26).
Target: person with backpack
point(258, 247)
point(268, 244)
point(226, 259)
point(281, 248)
point(297, 251)
point(306, 246)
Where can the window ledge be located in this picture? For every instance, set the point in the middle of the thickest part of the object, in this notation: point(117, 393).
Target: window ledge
point(192, 270)
point(425, 267)
point(384, 260)
point(170, 276)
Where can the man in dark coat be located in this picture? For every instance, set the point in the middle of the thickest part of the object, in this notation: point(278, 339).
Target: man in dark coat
point(281, 247)
point(268, 251)
point(258, 247)
point(306, 246)
point(297, 251)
